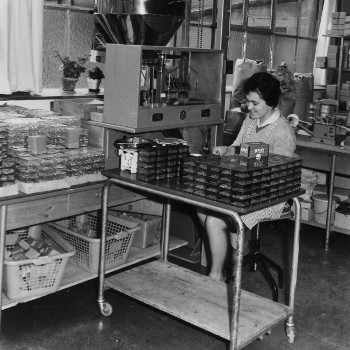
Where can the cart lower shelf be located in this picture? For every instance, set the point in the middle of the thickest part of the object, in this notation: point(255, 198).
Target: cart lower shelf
point(198, 300)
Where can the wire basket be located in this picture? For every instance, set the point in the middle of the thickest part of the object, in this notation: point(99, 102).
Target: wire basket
point(35, 277)
point(120, 234)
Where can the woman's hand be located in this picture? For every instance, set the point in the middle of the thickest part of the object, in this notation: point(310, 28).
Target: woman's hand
point(230, 151)
point(220, 150)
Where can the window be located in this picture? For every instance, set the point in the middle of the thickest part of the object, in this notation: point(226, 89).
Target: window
point(275, 31)
point(69, 28)
point(271, 30)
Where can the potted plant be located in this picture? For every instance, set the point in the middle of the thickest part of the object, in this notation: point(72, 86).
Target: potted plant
point(94, 79)
point(71, 70)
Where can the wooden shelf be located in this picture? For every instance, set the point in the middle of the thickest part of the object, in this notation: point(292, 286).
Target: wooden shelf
point(150, 128)
point(345, 70)
point(62, 7)
point(199, 300)
point(336, 36)
point(74, 275)
point(317, 224)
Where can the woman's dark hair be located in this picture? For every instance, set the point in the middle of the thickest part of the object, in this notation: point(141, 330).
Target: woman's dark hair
point(266, 86)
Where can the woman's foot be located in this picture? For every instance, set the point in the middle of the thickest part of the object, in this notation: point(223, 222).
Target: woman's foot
point(217, 276)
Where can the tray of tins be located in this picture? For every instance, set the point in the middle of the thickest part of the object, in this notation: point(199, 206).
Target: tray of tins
point(159, 162)
point(159, 153)
point(158, 171)
point(201, 161)
point(242, 197)
point(240, 170)
point(204, 168)
point(234, 180)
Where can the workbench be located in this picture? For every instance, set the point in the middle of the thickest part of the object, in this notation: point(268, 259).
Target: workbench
point(26, 210)
point(222, 309)
point(329, 158)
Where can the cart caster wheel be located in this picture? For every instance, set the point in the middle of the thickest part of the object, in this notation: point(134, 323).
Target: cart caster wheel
point(106, 309)
point(290, 334)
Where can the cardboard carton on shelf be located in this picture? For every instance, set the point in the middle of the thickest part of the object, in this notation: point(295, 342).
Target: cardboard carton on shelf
point(307, 210)
point(342, 221)
point(81, 107)
point(151, 227)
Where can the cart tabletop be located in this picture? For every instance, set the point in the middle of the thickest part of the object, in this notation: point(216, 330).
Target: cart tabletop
point(173, 188)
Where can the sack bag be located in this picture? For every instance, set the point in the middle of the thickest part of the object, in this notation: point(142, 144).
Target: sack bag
point(244, 69)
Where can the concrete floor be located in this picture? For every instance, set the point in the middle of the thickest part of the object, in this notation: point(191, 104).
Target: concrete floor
point(71, 320)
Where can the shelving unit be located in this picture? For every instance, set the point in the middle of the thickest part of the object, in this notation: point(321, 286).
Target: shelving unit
point(27, 210)
point(340, 41)
point(328, 158)
point(332, 227)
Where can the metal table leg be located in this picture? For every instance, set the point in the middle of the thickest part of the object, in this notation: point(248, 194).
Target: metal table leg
point(105, 307)
point(164, 250)
point(293, 279)
point(3, 214)
point(236, 285)
point(330, 202)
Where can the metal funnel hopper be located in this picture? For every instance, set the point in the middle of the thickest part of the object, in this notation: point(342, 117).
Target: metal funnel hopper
point(139, 22)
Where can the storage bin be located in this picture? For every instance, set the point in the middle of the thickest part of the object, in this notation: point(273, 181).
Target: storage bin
point(43, 275)
point(120, 234)
point(150, 227)
point(320, 208)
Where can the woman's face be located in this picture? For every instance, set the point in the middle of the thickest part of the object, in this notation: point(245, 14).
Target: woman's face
point(257, 107)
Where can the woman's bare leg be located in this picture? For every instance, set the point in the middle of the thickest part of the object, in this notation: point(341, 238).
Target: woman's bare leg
point(217, 235)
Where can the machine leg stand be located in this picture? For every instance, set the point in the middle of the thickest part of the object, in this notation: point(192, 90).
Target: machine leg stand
point(256, 259)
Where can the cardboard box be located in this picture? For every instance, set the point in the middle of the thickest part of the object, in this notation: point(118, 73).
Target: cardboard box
point(342, 221)
point(342, 193)
point(345, 93)
point(96, 116)
point(307, 214)
point(335, 14)
point(333, 48)
point(332, 63)
point(331, 95)
point(151, 227)
point(81, 107)
point(321, 64)
point(307, 210)
point(332, 56)
point(143, 206)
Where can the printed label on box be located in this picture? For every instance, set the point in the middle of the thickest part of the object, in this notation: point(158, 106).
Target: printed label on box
point(255, 150)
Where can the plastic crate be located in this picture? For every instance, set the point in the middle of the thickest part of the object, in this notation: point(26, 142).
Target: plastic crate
point(120, 235)
point(33, 277)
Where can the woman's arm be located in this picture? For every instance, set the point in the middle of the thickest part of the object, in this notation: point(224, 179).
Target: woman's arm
point(284, 142)
point(239, 138)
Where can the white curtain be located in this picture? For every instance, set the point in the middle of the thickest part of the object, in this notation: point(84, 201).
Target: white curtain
point(21, 38)
point(320, 75)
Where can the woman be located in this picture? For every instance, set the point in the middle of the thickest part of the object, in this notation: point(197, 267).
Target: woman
point(264, 123)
